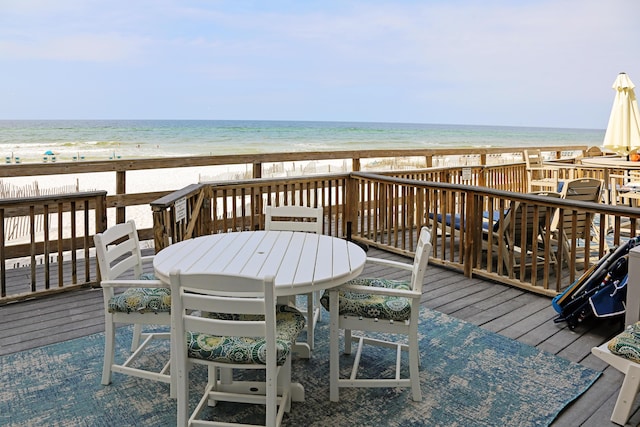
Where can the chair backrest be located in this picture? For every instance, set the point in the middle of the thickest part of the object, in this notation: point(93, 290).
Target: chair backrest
point(533, 158)
point(225, 294)
point(581, 189)
point(593, 152)
point(118, 251)
point(421, 259)
point(520, 228)
point(294, 218)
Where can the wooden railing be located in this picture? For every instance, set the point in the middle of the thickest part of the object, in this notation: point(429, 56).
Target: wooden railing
point(214, 207)
point(222, 207)
point(69, 223)
point(125, 197)
point(387, 211)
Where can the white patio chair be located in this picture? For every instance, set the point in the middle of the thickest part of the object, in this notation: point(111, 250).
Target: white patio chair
point(625, 343)
point(379, 305)
point(145, 300)
point(299, 218)
point(247, 331)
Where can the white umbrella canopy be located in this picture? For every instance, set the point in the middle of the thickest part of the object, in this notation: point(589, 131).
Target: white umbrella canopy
point(623, 131)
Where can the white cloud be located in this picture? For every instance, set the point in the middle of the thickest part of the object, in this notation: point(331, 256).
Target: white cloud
point(76, 47)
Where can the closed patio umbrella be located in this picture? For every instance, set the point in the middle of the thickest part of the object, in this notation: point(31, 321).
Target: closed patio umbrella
point(623, 131)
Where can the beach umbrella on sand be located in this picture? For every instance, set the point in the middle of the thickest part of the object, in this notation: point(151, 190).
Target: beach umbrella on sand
point(623, 130)
point(49, 153)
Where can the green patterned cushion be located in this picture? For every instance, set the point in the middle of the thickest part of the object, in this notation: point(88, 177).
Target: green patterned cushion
point(142, 300)
point(370, 305)
point(249, 350)
point(627, 343)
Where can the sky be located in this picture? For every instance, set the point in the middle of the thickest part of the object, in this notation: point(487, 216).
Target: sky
point(547, 63)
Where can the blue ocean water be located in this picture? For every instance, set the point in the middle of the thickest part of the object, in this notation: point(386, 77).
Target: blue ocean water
point(101, 139)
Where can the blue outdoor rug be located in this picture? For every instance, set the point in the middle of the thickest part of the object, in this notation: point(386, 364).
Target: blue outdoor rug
point(470, 377)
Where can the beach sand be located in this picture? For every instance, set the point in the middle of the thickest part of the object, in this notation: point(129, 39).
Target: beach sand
point(149, 181)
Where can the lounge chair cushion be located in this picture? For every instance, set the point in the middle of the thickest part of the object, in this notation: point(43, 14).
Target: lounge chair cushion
point(373, 306)
point(142, 300)
point(456, 220)
point(627, 343)
point(247, 350)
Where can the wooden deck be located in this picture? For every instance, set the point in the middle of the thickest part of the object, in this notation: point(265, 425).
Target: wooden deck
point(508, 311)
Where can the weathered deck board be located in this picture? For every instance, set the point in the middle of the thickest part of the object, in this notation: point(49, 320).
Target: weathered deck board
point(502, 309)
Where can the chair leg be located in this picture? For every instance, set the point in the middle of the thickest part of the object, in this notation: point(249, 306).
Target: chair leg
point(316, 301)
point(109, 349)
point(212, 378)
point(284, 384)
point(414, 365)
point(182, 393)
point(334, 337)
point(626, 398)
point(271, 392)
point(347, 341)
point(135, 340)
point(311, 319)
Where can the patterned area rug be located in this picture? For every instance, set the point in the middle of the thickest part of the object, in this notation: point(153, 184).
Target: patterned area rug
point(469, 377)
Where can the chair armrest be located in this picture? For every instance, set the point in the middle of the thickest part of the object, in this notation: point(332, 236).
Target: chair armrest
point(390, 263)
point(380, 291)
point(133, 284)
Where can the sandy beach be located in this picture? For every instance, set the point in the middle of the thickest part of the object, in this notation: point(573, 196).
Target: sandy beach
point(150, 181)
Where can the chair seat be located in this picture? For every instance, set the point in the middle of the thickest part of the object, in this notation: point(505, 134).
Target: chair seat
point(247, 350)
point(370, 305)
point(142, 300)
point(627, 343)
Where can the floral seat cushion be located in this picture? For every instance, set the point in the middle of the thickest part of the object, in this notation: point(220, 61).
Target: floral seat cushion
point(247, 350)
point(142, 300)
point(370, 305)
point(627, 343)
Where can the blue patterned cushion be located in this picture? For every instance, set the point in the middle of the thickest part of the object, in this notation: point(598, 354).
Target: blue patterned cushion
point(142, 300)
point(247, 350)
point(370, 305)
point(627, 343)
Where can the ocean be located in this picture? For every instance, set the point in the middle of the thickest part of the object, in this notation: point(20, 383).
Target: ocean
point(30, 140)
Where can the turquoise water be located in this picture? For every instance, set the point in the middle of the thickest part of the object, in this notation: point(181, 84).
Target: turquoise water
point(100, 139)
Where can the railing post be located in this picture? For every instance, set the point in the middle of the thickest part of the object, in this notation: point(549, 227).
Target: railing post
point(121, 188)
point(3, 258)
point(205, 211)
point(257, 170)
point(471, 231)
point(482, 176)
point(160, 238)
point(350, 202)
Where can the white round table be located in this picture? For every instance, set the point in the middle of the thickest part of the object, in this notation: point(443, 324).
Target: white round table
point(301, 262)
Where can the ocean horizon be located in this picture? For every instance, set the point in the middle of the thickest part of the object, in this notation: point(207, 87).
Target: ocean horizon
point(31, 140)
